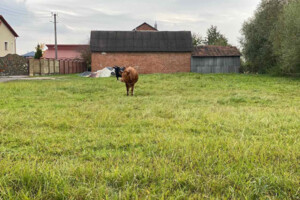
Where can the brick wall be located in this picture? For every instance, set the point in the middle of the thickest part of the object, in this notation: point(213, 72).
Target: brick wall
point(145, 27)
point(145, 63)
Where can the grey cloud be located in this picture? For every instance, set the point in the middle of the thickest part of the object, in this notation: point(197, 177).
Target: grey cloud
point(77, 18)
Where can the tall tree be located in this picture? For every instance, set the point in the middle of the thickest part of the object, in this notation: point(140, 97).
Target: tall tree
point(214, 37)
point(197, 39)
point(39, 52)
point(257, 40)
point(86, 55)
point(286, 38)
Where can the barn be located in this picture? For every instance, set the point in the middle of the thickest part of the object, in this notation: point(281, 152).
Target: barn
point(215, 59)
point(145, 48)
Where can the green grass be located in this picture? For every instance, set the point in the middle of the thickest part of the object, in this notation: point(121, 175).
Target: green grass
point(182, 136)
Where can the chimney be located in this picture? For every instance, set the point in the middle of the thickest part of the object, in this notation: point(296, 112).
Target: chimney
point(155, 25)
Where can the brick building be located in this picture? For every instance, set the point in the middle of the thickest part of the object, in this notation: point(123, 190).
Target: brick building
point(65, 51)
point(145, 48)
point(146, 27)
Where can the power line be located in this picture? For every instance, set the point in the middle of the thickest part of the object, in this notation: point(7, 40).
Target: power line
point(5, 6)
point(12, 12)
point(24, 16)
point(26, 19)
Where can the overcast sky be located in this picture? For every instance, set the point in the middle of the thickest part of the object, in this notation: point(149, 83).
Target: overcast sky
point(31, 18)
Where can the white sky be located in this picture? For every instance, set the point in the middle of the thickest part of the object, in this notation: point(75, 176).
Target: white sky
point(31, 18)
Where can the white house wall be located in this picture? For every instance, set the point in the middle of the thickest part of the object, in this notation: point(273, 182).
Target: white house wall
point(6, 36)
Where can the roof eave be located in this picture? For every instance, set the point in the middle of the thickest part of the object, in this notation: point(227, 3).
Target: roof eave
point(8, 26)
point(216, 56)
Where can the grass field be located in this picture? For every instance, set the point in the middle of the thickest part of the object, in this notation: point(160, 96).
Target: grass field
point(182, 136)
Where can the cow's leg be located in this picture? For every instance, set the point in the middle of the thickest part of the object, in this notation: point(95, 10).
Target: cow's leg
point(132, 88)
point(127, 88)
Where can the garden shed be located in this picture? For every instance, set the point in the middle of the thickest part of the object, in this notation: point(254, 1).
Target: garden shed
point(215, 59)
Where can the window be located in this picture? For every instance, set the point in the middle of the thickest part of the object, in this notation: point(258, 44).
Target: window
point(6, 46)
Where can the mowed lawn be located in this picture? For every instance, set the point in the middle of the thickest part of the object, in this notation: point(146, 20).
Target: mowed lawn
point(182, 136)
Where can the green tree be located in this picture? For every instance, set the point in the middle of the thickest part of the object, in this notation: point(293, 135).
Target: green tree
point(214, 37)
point(197, 39)
point(286, 38)
point(86, 55)
point(39, 52)
point(257, 41)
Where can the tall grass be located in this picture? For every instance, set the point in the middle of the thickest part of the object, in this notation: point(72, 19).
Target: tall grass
point(182, 136)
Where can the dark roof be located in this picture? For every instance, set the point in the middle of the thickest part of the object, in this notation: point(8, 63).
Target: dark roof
point(215, 51)
point(70, 46)
point(8, 26)
point(141, 41)
point(145, 27)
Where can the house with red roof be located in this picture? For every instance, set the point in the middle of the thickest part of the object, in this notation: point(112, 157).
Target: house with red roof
point(146, 27)
point(7, 38)
point(65, 51)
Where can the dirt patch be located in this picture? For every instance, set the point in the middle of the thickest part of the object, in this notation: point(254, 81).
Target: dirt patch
point(18, 78)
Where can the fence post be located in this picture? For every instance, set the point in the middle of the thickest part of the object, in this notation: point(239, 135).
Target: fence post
point(74, 66)
point(77, 66)
point(70, 67)
point(36, 67)
point(44, 66)
point(66, 63)
point(61, 67)
point(51, 66)
point(80, 67)
point(31, 67)
point(56, 66)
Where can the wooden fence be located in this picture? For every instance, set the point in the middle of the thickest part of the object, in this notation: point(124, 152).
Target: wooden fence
point(52, 66)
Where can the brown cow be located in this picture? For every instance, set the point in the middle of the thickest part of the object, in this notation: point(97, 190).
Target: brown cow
point(130, 77)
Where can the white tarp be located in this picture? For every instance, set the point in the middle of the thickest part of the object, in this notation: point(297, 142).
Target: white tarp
point(103, 73)
point(106, 72)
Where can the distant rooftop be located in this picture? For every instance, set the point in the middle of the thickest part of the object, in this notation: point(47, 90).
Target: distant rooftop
point(145, 27)
point(215, 51)
point(65, 51)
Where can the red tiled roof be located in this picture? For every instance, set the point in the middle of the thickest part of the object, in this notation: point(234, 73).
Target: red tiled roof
point(215, 51)
point(64, 51)
point(8, 26)
point(145, 27)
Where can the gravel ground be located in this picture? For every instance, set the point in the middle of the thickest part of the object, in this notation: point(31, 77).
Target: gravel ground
point(17, 78)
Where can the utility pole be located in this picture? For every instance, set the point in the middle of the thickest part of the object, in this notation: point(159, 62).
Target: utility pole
point(55, 33)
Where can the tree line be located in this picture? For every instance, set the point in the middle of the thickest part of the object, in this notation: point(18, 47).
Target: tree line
point(271, 38)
